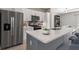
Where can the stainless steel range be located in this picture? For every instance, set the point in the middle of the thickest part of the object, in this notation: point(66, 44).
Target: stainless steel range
point(35, 22)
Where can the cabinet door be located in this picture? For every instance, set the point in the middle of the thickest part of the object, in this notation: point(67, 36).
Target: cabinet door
point(12, 34)
point(19, 28)
point(32, 43)
point(4, 31)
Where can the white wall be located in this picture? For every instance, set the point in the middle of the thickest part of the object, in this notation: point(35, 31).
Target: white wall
point(77, 18)
point(48, 20)
point(55, 11)
point(71, 19)
point(52, 13)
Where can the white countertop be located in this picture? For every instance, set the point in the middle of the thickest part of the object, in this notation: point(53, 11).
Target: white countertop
point(54, 34)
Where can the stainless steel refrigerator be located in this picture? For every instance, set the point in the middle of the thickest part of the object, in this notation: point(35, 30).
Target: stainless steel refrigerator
point(11, 30)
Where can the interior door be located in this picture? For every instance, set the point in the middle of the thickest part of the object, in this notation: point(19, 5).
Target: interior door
point(5, 29)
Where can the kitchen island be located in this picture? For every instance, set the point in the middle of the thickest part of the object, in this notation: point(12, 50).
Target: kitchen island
point(36, 40)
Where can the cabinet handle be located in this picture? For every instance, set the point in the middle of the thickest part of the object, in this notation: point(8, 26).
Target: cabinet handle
point(30, 42)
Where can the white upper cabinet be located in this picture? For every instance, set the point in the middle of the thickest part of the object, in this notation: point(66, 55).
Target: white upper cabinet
point(19, 9)
point(42, 16)
point(28, 13)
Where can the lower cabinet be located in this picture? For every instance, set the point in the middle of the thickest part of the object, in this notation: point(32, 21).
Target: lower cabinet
point(34, 44)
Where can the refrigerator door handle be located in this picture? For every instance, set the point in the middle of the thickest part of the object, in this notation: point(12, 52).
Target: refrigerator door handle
point(12, 24)
point(13, 21)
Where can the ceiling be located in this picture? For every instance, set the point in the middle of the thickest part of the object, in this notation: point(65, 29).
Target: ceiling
point(65, 10)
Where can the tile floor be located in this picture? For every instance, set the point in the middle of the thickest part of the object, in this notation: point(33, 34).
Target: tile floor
point(19, 47)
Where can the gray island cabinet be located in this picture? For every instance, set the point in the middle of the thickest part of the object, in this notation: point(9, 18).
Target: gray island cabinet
point(37, 41)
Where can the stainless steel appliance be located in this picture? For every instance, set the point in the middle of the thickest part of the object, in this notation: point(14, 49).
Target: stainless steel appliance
point(57, 22)
point(35, 23)
point(11, 31)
